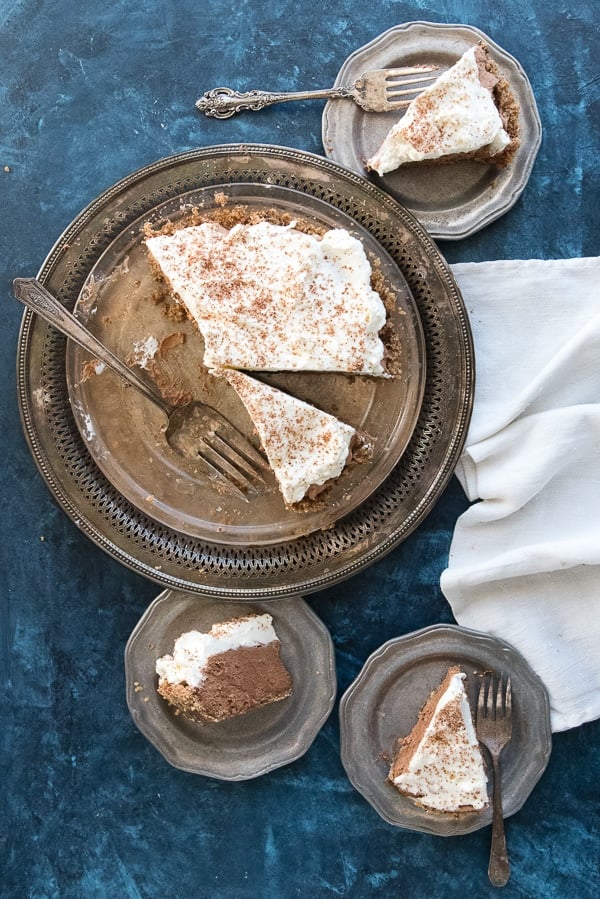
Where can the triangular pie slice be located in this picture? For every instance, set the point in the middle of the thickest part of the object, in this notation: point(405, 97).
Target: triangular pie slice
point(439, 764)
point(269, 297)
point(469, 112)
point(306, 447)
point(230, 670)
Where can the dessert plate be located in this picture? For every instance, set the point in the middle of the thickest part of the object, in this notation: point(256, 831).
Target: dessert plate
point(384, 701)
point(165, 554)
point(125, 434)
point(249, 745)
point(452, 201)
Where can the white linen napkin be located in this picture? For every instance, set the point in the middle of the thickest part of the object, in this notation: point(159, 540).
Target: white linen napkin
point(524, 561)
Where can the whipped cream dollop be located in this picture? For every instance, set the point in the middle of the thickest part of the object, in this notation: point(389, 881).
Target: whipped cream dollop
point(446, 770)
point(456, 114)
point(305, 446)
point(193, 649)
point(269, 297)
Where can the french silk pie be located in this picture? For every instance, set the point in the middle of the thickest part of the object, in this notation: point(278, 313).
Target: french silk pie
point(230, 670)
point(439, 764)
point(306, 447)
point(269, 296)
point(469, 112)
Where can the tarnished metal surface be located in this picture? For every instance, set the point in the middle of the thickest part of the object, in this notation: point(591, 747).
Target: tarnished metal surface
point(451, 201)
point(296, 566)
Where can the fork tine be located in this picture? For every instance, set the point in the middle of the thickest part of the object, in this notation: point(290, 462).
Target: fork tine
point(411, 70)
point(397, 85)
point(391, 81)
point(224, 464)
point(218, 475)
point(242, 447)
point(391, 92)
point(391, 95)
point(481, 700)
point(499, 704)
point(508, 699)
point(492, 699)
point(231, 454)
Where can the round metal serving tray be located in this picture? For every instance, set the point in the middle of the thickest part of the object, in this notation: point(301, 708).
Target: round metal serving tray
point(293, 567)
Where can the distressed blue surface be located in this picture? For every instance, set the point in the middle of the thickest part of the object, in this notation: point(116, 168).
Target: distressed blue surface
point(88, 93)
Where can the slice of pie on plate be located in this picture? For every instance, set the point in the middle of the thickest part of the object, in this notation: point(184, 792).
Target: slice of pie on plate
point(230, 670)
point(439, 764)
point(270, 297)
point(306, 447)
point(469, 112)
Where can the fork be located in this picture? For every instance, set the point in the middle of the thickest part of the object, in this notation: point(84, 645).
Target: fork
point(378, 91)
point(494, 731)
point(194, 430)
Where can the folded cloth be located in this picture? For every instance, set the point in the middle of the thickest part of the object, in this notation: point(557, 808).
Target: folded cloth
point(524, 562)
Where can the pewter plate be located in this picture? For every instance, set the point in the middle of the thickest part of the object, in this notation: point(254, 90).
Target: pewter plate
point(384, 701)
point(293, 567)
point(452, 201)
point(125, 433)
point(249, 745)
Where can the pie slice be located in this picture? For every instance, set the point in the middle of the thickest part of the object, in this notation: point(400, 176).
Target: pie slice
point(439, 764)
point(306, 448)
point(269, 297)
point(228, 671)
point(469, 112)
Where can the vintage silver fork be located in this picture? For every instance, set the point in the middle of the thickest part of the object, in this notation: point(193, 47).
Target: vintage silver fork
point(381, 90)
point(494, 730)
point(194, 430)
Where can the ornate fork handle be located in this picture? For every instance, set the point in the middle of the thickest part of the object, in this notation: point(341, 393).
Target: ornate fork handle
point(223, 102)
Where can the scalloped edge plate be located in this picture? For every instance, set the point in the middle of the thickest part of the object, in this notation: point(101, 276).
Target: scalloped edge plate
point(384, 701)
point(451, 201)
point(249, 745)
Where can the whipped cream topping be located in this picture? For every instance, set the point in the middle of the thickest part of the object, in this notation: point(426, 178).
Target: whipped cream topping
point(446, 770)
point(456, 114)
point(193, 649)
point(268, 297)
point(305, 446)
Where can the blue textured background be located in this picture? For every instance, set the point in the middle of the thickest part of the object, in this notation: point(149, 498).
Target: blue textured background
point(88, 93)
